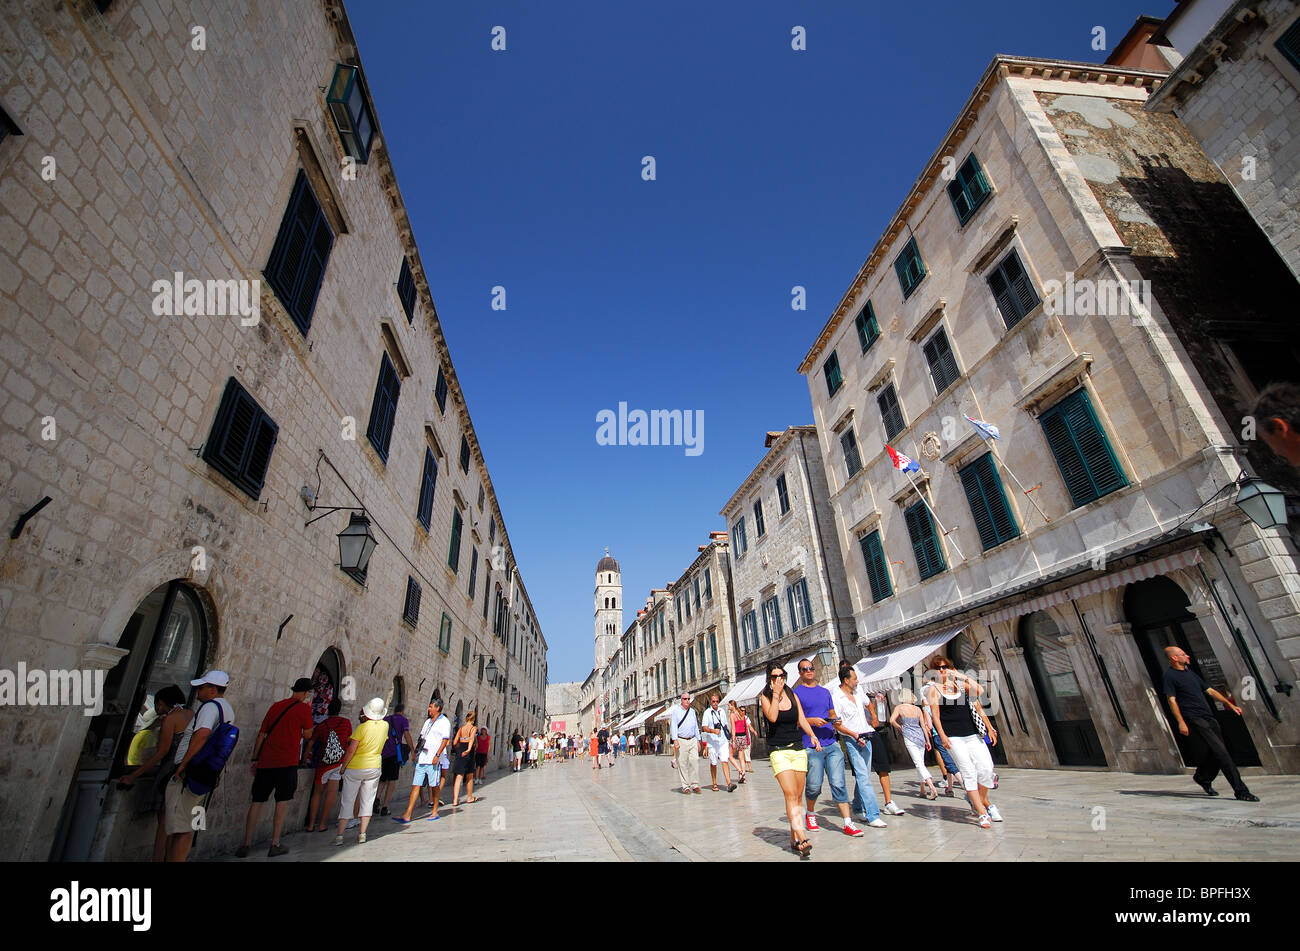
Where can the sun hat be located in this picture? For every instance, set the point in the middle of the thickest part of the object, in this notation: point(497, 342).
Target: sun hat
point(375, 709)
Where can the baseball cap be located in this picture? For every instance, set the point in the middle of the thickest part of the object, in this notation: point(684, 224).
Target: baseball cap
point(218, 678)
point(302, 685)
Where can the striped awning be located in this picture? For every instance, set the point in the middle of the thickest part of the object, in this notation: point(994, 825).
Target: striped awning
point(746, 690)
point(879, 672)
point(1140, 572)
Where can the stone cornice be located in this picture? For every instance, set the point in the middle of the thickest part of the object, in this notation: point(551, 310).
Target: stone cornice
point(1002, 67)
point(765, 464)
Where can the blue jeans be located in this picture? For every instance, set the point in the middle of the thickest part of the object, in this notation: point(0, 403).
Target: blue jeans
point(828, 763)
point(948, 761)
point(864, 795)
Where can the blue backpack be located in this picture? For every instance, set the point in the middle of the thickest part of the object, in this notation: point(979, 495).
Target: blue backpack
point(204, 769)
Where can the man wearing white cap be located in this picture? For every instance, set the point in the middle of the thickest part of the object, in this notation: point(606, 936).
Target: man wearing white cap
point(181, 803)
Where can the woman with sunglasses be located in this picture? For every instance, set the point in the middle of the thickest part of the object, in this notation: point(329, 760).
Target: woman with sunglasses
point(956, 712)
point(785, 721)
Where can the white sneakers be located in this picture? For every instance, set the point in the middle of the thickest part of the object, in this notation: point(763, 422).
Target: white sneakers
point(892, 809)
point(877, 823)
point(994, 814)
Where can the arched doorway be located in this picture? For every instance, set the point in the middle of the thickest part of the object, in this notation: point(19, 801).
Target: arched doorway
point(1064, 706)
point(1157, 610)
point(167, 641)
point(327, 680)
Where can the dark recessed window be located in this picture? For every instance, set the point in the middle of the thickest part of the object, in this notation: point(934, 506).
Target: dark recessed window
point(480, 498)
point(891, 412)
point(910, 268)
point(242, 438)
point(428, 482)
point(464, 652)
point(868, 329)
point(782, 493)
point(1288, 44)
point(742, 544)
point(464, 453)
point(969, 189)
point(1012, 290)
point(383, 410)
point(406, 290)
point(943, 364)
point(411, 611)
point(988, 502)
point(444, 635)
point(440, 391)
point(473, 571)
point(298, 257)
point(759, 527)
point(834, 379)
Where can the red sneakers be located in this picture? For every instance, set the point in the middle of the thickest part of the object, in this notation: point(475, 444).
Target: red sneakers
point(853, 831)
point(810, 822)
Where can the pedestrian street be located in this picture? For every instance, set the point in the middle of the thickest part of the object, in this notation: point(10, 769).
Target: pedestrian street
point(634, 812)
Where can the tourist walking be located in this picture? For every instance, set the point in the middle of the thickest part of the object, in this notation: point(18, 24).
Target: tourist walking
point(881, 760)
point(171, 718)
point(914, 723)
point(849, 700)
point(361, 766)
point(462, 764)
point(517, 751)
point(827, 760)
point(276, 754)
point(396, 752)
point(787, 730)
point(956, 711)
point(593, 750)
point(1186, 693)
point(742, 737)
point(430, 758)
point(329, 743)
point(481, 753)
point(717, 736)
point(684, 727)
point(602, 746)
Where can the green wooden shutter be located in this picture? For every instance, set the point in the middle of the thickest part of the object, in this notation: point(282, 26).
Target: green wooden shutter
point(925, 543)
point(1288, 44)
point(988, 502)
point(1083, 454)
point(877, 571)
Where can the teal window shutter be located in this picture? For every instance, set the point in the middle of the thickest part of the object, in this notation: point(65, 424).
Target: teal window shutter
point(868, 329)
point(942, 361)
point(891, 413)
point(1012, 290)
point(834, 379)
point(988, 502)
point(910, 268)
point(1288, 44)
point(1083, 453)
point(925, 543)
point(969, 189)
point(383, 409)
point(877, 569)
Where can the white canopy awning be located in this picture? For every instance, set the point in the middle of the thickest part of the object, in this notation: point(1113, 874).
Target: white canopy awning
point(640, 718)
point(881, 671)
point(746, 690)
point(664, 714)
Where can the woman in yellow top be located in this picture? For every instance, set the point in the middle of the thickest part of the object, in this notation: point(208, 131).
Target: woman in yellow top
point(361, 767)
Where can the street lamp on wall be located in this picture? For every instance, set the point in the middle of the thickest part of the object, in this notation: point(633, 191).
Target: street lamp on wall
point(1263, 504)
point(356, 543)
point(826, 657)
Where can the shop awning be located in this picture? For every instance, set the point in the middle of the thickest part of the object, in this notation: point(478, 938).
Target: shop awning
point(1140, 572)
point(881, 671)
point(746, 690)
point(640, 718)
point(664, 714)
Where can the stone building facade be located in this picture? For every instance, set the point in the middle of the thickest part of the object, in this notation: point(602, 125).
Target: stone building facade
point(563, 703)
point(787, 574)
point(1237, 90)
point(192, 454)
point(1042, 276)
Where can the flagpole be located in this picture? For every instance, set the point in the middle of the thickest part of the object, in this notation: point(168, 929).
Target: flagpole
point(933, 514)
point(1008, 471)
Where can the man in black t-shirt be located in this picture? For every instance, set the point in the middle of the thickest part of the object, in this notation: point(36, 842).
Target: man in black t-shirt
point(602, 747)
point(1186, 693)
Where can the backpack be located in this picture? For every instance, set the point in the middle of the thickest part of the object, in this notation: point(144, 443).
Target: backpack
point(333, 752)
point(204, 770)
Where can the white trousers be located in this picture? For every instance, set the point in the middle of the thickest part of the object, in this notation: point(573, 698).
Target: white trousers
point(971, 754)
point(917, 752)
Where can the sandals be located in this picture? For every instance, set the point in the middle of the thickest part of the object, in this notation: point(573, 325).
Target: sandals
point(715, 787)
point(930, 792)
point(803, 848)
point(472, 799)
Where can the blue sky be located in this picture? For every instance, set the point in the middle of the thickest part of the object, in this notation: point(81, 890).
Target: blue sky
point(774, 168)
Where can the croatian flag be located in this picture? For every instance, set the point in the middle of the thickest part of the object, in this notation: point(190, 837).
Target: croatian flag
point(987, 430)
point(902, 462)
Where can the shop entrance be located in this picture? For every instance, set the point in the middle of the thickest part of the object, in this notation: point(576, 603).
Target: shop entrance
point(166, 639)
point(1064, 706)
point(1157, 609)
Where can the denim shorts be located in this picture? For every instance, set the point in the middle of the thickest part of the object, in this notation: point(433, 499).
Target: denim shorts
point(430, 771)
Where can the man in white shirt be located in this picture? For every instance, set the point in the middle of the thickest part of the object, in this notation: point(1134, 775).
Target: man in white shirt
point(852, 723)
point(180, 802)
point(430, 759)
point(684, 727)
point(717, 738)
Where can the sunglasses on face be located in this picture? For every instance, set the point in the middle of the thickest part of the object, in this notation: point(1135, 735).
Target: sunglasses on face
point(805, 670)
point(777, 677)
